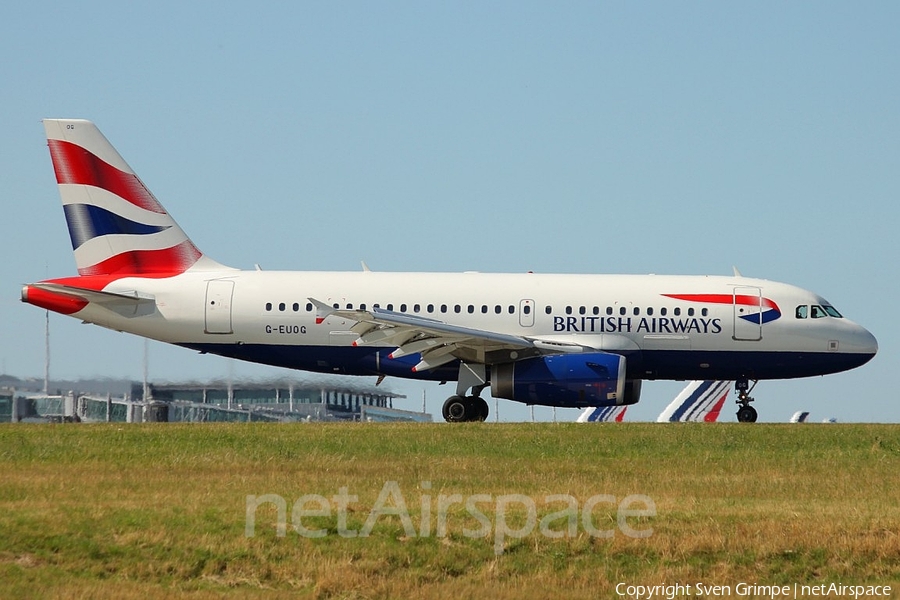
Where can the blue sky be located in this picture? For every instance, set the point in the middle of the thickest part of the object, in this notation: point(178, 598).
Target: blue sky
point(579, 137)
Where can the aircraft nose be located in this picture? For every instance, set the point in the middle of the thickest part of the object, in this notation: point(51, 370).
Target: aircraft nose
point(861, 341)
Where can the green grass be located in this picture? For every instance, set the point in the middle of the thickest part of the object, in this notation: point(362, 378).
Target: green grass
point(159, 510)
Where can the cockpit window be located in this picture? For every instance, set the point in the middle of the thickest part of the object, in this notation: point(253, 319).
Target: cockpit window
point(833, 312)
point(818, 311)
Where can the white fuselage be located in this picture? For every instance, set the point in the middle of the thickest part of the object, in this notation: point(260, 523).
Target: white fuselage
point(267, 317)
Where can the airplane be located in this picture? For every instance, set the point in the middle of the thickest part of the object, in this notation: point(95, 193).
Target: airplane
point(800, 416)
point(602, 414)
point(548, 339)
point(699, 401)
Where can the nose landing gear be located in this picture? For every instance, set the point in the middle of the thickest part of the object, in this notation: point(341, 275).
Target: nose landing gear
point(746, 413)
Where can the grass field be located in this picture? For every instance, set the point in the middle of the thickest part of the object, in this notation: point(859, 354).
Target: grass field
point(160, 510)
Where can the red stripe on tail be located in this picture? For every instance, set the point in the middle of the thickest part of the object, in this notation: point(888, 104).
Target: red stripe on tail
point(74, 164)
point(149, 263)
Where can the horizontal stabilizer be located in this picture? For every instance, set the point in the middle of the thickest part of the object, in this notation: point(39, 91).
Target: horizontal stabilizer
point(127, 304)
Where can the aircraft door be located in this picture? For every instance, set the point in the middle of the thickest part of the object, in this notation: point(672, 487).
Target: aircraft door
point(218, 306)
point(748, 314)
point(526, 313)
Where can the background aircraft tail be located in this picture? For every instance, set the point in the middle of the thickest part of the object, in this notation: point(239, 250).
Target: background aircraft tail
point(698, 401)
point(116, 225)
point(602, 414)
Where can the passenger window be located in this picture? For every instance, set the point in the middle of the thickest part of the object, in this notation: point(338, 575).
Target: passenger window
point(402, 307)
point(609, 310)
point(309, 307)
point(416, 308)
point(443, 308)
point(512, 309)
point(362, 307)
point(471, 309)
point(704, 312)
point(690, 312)
point(637, 311)
point(548, 310)
point(596, 310)
point(623, 310)
point(582, 310)
point(677, 312)
point(390, 306)
point(663, 311)
point(802, 311)
point(568, 310)
point(430, 308)
point(649, 311)
point(281, 306)
point(268, 306)
point(457, 308)
point(526, 309)
point(497, 309)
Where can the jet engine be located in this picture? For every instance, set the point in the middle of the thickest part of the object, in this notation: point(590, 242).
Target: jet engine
point(572, 380)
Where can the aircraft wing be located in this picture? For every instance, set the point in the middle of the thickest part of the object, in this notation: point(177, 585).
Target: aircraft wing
point(439, 342)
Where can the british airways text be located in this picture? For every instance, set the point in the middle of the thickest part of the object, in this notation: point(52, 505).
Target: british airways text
point(591, 324)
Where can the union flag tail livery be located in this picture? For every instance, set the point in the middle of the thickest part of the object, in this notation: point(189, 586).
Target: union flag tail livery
point(116, 225)
point(555, 340)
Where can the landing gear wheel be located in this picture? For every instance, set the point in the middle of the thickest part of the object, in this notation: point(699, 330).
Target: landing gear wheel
point(459, 409)
point(746, 414)
point(481, 409)
point(456, 409)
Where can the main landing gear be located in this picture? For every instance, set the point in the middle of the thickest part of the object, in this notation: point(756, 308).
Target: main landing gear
point(465, 408)
point(746, 413)
point(460, 408)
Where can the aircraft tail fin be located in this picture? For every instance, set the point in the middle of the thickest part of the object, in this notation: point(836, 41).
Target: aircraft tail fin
point(698, 401)
point(117, 227)
point(602, 414)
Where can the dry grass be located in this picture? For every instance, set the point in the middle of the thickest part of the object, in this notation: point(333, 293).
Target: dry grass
point(154, 511)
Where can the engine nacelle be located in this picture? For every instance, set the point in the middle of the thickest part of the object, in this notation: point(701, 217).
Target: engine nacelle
point(571, 380)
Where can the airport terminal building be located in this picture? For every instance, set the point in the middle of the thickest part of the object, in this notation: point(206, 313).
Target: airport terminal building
point(273, 400)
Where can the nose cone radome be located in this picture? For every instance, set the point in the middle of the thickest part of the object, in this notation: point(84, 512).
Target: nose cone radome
point(859, 340)
point(868, 343)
